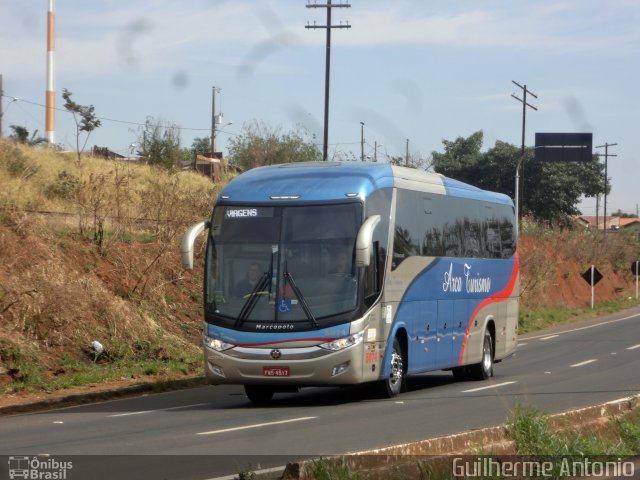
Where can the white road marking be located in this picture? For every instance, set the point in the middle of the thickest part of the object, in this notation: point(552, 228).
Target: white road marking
point(620, 400)
point(129, 413)
point(634, 347)
point(588, 327)
point(586, 362)
point(256, 425)
point(549, 337)
point(488, 387)
point(522, 344)
point(181, 407)
point(184, 406)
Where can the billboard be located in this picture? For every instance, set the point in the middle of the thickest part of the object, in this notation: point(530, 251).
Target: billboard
point(564, 147)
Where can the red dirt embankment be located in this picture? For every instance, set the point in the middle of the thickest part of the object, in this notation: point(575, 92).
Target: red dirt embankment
point(553, 261)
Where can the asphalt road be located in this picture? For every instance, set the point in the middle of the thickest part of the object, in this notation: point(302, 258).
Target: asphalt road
point(214, 431)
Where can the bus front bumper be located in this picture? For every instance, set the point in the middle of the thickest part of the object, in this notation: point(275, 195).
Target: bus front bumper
point(308, 366)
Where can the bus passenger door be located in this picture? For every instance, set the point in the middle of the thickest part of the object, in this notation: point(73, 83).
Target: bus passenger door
point(445, 333)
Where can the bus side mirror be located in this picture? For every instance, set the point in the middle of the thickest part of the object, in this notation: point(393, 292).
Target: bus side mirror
point(364, 241)
point(188, 240)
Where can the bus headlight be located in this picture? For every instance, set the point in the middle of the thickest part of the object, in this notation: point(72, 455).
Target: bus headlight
point(344, 342)
point(215, 344)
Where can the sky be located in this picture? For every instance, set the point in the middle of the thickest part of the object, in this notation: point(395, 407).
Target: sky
point(418, 70)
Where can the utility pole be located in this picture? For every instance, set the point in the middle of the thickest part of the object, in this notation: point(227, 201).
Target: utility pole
point(606, 180)
point(215, 120)
point(1, 97)
point(362, 141)
point(328, 27)
point(523, 100)
point(50, 92)
point(375, 150)
point(406, 154)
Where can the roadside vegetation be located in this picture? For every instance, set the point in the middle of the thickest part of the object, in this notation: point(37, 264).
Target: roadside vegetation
point(537, 441)
point(89, 252)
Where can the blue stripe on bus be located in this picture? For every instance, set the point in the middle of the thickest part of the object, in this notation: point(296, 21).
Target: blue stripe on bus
point(255, 339)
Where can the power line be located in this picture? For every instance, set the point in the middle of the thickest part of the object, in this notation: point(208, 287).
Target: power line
point(114, 120)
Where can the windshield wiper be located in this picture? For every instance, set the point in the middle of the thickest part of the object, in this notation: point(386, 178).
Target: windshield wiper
point(300, 297)
point(254, 296)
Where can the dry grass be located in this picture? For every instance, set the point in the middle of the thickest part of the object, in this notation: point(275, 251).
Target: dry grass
point(47, 180)
point(109, 270)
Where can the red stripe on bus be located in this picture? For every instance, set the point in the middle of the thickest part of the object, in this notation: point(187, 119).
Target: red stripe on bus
point(497, 297)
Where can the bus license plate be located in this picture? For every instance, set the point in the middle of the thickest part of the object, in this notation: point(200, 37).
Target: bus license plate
point(275, 371)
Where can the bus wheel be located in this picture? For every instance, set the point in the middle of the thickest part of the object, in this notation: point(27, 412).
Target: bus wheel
point(394, 383)
point(258, 394)
point(484, 369)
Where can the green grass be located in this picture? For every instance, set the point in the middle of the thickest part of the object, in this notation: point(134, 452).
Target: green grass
point(531, 321)
point(74, 373)
point(323, 469)
point(530, 431)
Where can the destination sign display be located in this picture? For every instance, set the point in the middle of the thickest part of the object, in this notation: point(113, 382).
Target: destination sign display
point(248, 212)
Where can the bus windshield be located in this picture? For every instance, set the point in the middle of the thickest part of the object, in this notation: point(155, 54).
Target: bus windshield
point(292, 264)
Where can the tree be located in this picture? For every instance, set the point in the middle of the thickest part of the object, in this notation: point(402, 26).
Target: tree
point(551, 190)
point(160, 144)
point(21, 135)
point(461, 157)
point(260, 145)
point(201, 145)
point(416, 160)
point(84, 116)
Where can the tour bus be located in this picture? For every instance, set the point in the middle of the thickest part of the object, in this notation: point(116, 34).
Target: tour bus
point(323, 273)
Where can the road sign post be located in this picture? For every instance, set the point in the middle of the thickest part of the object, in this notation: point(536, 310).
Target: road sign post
point(592, 276)
point(635, 269)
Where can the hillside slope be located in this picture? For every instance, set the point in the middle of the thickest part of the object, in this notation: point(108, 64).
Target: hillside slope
point(105, 268)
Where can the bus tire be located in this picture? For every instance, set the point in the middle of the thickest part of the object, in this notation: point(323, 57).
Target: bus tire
point(395, 382)
point(484, 369)
point(258, 394)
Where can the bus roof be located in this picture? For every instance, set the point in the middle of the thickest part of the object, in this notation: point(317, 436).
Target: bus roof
point(326, 181)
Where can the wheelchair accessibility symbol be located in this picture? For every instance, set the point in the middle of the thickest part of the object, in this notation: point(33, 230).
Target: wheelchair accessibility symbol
point(284, 306)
